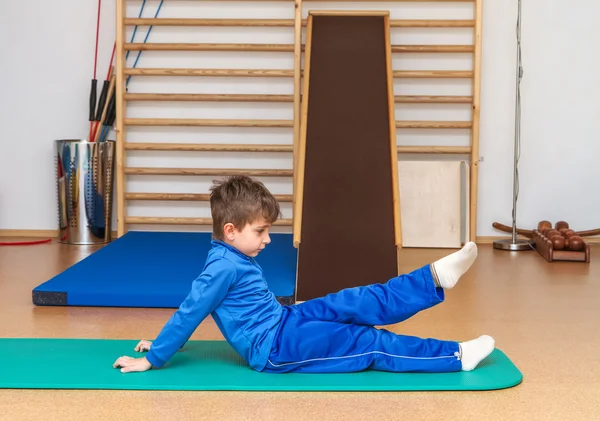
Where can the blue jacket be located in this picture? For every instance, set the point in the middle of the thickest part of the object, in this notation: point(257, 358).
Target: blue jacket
point(233, 290)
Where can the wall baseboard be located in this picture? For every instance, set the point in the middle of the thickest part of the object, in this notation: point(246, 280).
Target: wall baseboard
point(491, 239)
point(34, 233)
point(28, 233)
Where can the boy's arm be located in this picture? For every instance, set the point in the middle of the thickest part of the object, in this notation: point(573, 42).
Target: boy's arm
point(207, 291)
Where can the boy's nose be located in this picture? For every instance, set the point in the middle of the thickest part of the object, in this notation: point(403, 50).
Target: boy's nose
point(267, 239)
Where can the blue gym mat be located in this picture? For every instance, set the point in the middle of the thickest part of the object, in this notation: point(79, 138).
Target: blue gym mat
point(156, 269)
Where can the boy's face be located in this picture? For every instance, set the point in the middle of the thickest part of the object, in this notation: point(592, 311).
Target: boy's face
point(251, 239)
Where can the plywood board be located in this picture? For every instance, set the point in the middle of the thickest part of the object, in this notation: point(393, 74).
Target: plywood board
point(431, 203)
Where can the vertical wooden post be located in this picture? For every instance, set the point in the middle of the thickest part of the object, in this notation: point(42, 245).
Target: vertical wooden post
point(299, 193)
point(297, 99)
point(478, 12)
point(393, 142)
point(120, 103)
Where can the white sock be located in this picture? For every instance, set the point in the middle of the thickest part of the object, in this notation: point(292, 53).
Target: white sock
point(475, 350)
point(448, 270)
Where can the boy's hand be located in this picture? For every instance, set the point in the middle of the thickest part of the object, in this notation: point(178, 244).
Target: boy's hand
point(143, 346)
point(129, 364)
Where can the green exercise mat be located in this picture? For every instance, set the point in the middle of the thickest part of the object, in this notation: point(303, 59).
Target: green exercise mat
point(28, 363)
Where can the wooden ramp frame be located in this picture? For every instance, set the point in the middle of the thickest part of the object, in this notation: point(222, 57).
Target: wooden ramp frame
point(295, 23)
point(347, 214)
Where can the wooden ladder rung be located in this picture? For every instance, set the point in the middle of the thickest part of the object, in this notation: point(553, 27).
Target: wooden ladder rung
point(423, 99)
point(196, 197)
point(153, 220)
point(435, 149)
point(285, 148)
point(432, 48)
point(207, 147)
point(394, 23)
point(283, 48)
point(208, 172)
point(282, 148)
point(288, 48)
point(432, 74)
point(282, 73)
point(209, 97)
point(276, 123)
point(431, 23)
point(433, 124)
point(206, 122)
point(209, 22)
point(208, 72)
point(282, 98)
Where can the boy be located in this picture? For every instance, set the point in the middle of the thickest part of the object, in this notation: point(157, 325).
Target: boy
point(334, 333)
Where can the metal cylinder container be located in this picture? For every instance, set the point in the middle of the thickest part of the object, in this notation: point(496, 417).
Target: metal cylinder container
point(85, 184)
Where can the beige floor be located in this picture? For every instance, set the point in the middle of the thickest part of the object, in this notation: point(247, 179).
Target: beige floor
point(544, 316)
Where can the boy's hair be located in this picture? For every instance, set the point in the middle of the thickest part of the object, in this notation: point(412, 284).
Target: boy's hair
point(240, 200)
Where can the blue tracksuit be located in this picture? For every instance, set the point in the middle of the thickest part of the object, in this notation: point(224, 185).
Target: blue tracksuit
point(330, 334)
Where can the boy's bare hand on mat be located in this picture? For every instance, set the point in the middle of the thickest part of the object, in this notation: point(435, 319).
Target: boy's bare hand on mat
point(143, 346)
point(129, 364)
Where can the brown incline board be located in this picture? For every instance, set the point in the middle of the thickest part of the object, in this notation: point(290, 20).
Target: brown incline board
point(347, 184)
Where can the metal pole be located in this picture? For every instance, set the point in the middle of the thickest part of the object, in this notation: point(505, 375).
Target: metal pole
point(514, 244)
point(517, 125)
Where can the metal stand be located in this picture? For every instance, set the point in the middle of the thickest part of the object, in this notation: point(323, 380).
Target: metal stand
point(515, 244)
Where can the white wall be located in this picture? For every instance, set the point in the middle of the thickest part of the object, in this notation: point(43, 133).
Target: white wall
point(47, 51)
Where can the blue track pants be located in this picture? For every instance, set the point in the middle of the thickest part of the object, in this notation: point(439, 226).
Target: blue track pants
point(336, 333)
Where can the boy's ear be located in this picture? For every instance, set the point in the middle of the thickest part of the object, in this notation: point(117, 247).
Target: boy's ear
point(229, 231)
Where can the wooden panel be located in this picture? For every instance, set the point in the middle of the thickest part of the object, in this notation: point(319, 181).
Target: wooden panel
point(345, 180)
point(431, 208)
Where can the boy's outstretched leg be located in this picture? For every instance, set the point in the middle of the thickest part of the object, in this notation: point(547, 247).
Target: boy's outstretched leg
point(314, 346)
point(448, 270)
point(398, 299)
